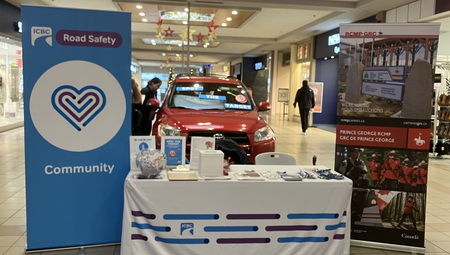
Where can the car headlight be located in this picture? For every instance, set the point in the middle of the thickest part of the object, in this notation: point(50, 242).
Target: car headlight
point(167, 130)
point(264, 134)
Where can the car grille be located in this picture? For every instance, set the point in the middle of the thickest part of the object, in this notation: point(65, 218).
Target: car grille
point(240, 138)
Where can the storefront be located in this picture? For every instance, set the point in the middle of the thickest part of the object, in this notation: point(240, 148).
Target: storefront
point(11, 82)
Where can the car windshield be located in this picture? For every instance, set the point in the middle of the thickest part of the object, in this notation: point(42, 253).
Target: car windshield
point(210, 96)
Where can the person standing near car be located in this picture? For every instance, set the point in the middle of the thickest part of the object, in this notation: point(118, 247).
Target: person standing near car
point(305, 100)
point(136, 107)
point(150, 105)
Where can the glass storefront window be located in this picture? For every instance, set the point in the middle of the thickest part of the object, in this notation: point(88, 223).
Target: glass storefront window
point(11, 84)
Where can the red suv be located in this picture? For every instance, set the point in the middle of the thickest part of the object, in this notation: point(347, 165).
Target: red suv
point(214, 107)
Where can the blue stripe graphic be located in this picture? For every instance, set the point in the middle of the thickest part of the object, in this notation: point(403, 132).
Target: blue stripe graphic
point(191, 217)
point(313, 216)
point(148, 226)
point(302, 239)
point(231, 229)
point(334, 227)
point(182, 241)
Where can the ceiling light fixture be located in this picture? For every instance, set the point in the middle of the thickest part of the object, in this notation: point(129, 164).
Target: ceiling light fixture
point(144, 20)
point(229, 19)
point(234, 12)
point(141, 14)
point(184, 22)
point(139, 6)
point(224, 24)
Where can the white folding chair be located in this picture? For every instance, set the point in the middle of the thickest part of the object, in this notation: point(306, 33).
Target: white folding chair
point(275, 158)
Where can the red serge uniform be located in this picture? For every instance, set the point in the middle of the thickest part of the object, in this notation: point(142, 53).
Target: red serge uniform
point(405, 177)
point(409, 205)
point(408, 210)
point(422, 173)
point(415, 177)
point(375, 168)
point(391, 168)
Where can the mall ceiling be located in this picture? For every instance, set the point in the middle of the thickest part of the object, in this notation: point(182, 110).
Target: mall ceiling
point(259, 27)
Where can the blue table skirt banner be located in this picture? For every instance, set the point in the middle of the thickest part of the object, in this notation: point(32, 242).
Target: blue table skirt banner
point(77, 99)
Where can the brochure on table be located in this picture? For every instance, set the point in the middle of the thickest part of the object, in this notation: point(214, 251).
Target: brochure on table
point(175, 149)
point(199, 143)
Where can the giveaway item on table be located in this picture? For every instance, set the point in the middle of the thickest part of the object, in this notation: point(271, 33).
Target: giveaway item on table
point(182, 175)
point(328, 175)
point(211, 163)
point(290, 177)
point(151, 162)
point(249, 175)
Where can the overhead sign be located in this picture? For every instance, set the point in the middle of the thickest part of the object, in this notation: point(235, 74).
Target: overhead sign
point(77, 97)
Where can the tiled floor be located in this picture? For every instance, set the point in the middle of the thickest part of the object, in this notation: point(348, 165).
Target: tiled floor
point(318, 141)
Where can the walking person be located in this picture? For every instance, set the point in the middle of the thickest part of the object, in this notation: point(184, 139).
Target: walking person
point(151, 104)
point(305, 100)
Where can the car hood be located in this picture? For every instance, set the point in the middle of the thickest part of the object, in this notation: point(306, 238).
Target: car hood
point(223, 120)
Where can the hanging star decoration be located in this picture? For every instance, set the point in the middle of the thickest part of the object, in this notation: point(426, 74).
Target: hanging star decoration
point(212, 27)
point(212, 34)
point(159, 29)
point(200, 37)
point(159, 36)
point(169, 48)
point(184, 35)
point(169, 32)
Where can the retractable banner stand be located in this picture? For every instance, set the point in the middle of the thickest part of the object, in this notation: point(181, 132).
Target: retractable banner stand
point(383, 130)
point(77, 124)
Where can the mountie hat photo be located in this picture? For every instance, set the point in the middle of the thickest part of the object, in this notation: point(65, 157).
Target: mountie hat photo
point(353, 149)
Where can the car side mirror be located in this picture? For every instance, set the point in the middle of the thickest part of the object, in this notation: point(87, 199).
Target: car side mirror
point(264, 106)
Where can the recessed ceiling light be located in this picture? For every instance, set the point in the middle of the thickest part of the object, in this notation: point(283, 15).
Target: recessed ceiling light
point(185, 22)
point(224, 24)
point(205, 46)
point(229, 19)
point(186, 9)
point(144, 20)
point(139, 6)
point(141, 14)
point(234, 12)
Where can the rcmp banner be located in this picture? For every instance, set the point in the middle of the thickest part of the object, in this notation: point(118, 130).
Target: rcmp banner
point(383, 129)
point(77, 124)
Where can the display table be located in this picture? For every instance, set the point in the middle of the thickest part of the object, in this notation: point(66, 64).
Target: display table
point(237, 217)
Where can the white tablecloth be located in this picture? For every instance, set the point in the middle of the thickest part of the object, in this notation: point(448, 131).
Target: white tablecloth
point(237, 217)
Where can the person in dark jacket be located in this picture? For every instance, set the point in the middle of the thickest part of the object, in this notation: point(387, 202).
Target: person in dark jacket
point(150, 105)
point(305, 100)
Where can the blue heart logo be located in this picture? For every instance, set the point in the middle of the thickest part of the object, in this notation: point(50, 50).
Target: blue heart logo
point(78, 107)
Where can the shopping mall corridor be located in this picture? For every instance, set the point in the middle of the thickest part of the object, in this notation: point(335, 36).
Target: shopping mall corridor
point(318, 141)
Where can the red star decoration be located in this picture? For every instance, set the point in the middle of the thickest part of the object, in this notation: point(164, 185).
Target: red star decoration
point(200, 37)
point(159, 21)
point(212, 27)
point(169, 32)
